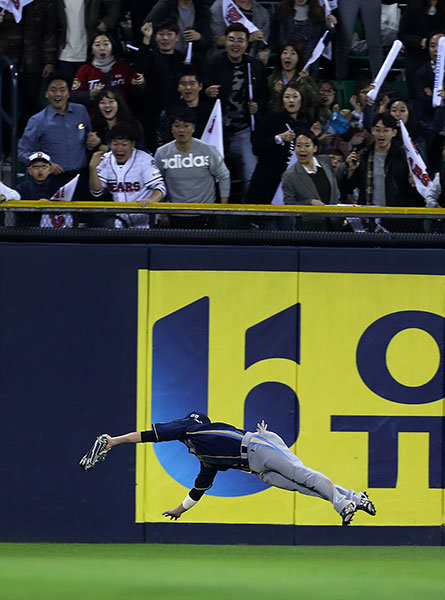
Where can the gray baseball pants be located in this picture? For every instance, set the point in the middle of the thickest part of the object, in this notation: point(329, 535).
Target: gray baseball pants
point(275, 464)
point(348, 11)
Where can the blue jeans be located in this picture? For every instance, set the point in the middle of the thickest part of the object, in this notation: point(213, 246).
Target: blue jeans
point(239, 149)
point(370, 11)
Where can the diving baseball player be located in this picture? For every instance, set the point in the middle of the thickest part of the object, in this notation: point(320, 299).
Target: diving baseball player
point(219, 446)
point(130, 175)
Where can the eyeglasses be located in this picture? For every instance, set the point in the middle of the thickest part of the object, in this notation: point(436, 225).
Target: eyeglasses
point(386, 130)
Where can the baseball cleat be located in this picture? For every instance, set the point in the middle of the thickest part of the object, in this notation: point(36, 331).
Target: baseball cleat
point(348, 512)
point(366, 505)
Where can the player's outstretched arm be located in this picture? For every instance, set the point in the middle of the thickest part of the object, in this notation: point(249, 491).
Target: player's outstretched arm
point(185, 505)
point(129, 438)
point(105, 442)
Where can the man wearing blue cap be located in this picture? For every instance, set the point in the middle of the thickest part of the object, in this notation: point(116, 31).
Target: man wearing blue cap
point(220, 446)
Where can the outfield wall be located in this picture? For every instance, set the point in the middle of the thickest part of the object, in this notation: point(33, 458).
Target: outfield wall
point(339, 350)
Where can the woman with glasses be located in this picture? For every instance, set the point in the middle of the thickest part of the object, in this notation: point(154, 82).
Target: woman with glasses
point(328, 105)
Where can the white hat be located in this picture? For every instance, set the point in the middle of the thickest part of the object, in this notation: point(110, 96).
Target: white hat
point(39, 156)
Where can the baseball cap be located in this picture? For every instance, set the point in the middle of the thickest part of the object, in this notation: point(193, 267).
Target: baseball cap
point(39, 156)
point(199, 417)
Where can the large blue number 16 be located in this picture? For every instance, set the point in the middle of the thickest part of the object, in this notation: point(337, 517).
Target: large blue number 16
point(180, 383)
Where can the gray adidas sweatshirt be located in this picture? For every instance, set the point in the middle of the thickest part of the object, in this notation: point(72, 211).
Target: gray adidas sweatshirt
point(190, 176)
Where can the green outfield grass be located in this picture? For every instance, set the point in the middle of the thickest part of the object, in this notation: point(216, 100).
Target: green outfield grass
point(164, 572)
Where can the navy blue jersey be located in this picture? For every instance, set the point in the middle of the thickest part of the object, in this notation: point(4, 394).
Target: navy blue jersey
point(216, 445)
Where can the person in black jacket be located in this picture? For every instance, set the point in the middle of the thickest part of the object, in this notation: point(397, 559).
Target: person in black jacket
point(381, 174)
point(418, 21)
point(160, 67)
point(226, 75)
point(424, 81)
point(190, 89)
point(31, 45)
point(430, 118)
point(402, 111)
point(193, 18)
point(274, 144)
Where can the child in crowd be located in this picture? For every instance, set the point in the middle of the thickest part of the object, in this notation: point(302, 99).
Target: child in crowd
point(40, 185)
point(336, 156)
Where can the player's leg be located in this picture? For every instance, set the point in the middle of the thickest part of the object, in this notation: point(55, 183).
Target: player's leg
point(269, 454)
point(359, 498)
point(279, 481)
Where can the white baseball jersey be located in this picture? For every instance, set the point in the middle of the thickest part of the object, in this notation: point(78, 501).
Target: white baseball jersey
point(138, 178)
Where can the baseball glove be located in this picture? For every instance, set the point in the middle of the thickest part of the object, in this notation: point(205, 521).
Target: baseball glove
point(98, 453)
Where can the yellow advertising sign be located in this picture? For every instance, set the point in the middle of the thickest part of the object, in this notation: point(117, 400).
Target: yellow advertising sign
point(346, 367)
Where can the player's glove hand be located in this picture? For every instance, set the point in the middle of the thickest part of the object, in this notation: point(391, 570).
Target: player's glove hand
point(98, 453)
point(261, 427)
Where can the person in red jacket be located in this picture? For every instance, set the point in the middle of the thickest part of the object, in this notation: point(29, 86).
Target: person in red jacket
point(103, 68)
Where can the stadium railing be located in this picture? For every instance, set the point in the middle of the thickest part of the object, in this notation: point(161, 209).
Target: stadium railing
point(334, 225)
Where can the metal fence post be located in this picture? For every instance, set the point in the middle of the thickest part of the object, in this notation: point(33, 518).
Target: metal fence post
point(9, 118)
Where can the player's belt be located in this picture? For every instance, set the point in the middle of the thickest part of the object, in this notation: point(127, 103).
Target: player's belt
point(244, 460)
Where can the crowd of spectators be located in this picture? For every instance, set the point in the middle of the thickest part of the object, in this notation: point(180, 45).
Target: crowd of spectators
point(129, 87)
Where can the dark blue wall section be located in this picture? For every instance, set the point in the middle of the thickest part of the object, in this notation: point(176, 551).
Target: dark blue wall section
point(68, 331)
